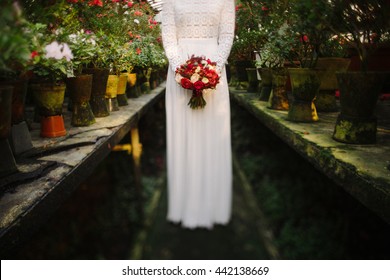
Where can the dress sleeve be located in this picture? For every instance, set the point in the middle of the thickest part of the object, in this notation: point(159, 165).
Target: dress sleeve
point(226, 33)
point(168, 33)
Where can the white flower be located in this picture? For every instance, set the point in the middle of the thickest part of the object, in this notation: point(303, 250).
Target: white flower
point(207, 91)
point(197, 70)
point(58, 51)
point(66, 52)
point(92, 41)
point(205, 80)
point(73, 38)
point(178, 78)
point(53, 50)
point(195, 77)
point(136, 21)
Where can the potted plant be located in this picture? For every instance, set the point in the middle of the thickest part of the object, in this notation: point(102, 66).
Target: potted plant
point(271, 45)
point(14, 56)
point(274, 57)
point(306, 24)
point(79, 87)
point(51, 64)
point(247, 41)
point(332, 58)
point(362, 25)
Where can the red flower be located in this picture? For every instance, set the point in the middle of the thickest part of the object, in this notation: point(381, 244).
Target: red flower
point(186, 83)
point(207, 78)
point(199, 85)
point(212, 82)
point(304, 39)
point(139, 51)
point(34, 54)
point(95, 3)
point(138, 13)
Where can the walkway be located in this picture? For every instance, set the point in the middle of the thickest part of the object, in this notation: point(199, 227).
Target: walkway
point(245, 237)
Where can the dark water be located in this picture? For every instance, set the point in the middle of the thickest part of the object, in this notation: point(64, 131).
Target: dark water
point(310, 216)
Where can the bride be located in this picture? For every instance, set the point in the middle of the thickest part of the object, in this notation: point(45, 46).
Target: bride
point(199, 158)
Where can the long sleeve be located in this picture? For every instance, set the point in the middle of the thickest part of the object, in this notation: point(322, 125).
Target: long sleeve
point(226, 33)
point(169, 34)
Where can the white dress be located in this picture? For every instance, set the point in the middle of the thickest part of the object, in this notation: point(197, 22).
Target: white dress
point(198, 141)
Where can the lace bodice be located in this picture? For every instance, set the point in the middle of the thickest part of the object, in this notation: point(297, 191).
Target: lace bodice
point(197, 19)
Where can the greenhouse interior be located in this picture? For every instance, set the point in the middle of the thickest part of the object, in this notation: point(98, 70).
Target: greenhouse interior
point(84, 129)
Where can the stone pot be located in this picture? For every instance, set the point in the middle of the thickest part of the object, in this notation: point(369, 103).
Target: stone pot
point(304, 85)
point(99, 84)
point(49, 99)
point(266, 83)
point(327, 68)
point(79, 89)
point(278, 99)
point(253, 82)
point(121, 89)
point(111, 93)
point(7, 162)
point(359, 92)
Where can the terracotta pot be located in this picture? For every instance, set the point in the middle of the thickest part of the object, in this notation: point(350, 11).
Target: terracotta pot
point(49, 101)
point(52, 127)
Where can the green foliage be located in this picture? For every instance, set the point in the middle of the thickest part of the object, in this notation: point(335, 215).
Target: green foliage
point(14, 43)
point(103, 33)
point(148, 53)
point(361, 24)
point(83, 46)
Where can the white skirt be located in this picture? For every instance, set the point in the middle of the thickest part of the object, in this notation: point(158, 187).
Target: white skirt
point(198, 149)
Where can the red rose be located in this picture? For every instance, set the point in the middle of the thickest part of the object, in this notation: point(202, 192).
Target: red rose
point(186, 83)
point(212, 82)
point(199, 85)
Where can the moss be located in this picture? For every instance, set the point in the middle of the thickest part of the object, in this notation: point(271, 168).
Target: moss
point(355, 131)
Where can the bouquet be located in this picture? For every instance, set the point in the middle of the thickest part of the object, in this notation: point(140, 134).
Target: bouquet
point(197, 74)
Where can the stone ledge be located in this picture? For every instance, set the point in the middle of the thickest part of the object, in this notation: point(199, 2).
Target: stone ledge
point(64, 163)
point(362, 170)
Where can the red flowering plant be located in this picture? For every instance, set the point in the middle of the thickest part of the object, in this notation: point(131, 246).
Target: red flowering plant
point(199, 75)
point(307, 23)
